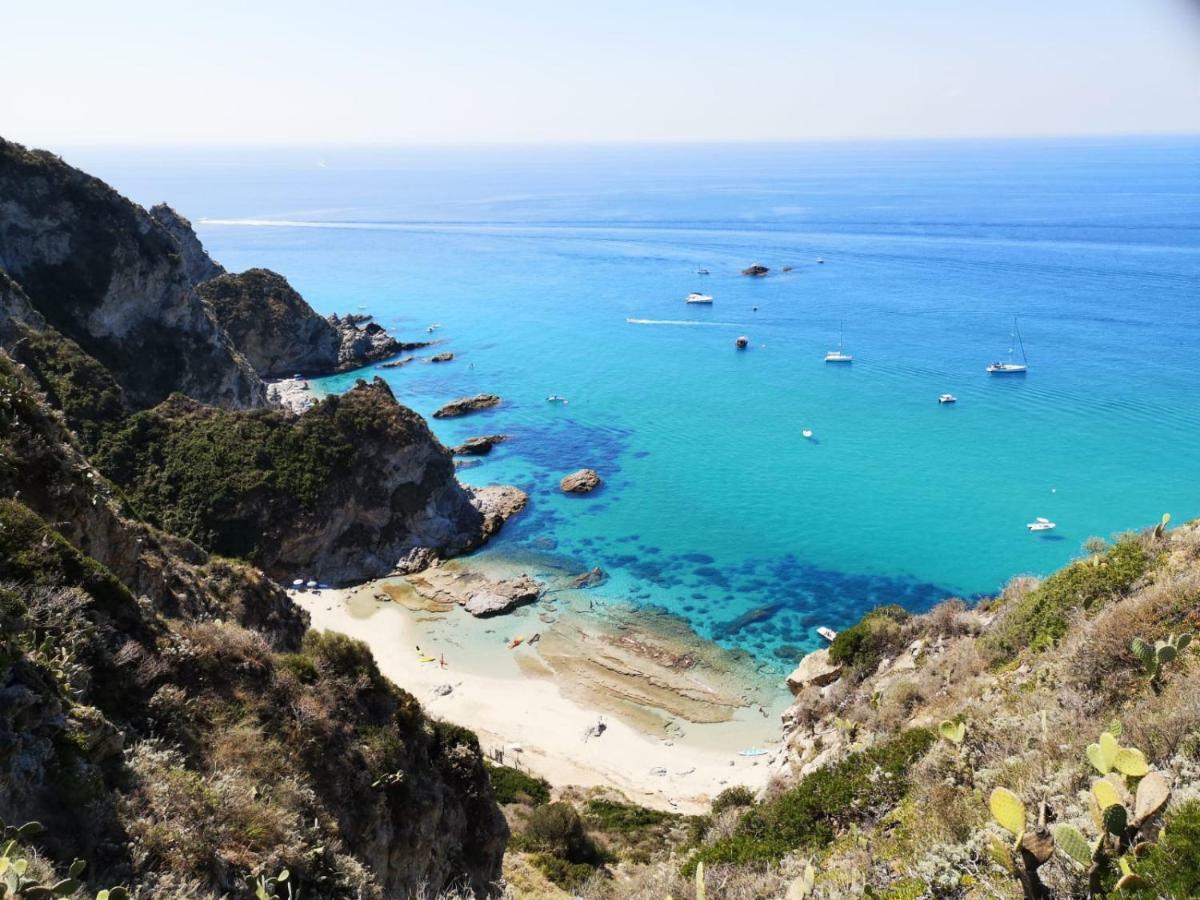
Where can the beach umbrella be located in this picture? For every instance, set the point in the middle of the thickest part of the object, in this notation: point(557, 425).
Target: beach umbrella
point(299, 582)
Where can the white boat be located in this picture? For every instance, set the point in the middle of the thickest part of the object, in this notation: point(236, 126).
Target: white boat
point(947, 398)
point(807, 433)
point(1011, 366)
point(556, 398)
point(1041, 524)
point(839, 355)
point(694, 297)
point(828, 633)
point(820, 262)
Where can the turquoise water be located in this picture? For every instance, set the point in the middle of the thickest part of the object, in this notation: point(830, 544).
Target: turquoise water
point(533, 261)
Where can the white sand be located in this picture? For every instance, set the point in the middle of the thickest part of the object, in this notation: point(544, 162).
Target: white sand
point(499, 695)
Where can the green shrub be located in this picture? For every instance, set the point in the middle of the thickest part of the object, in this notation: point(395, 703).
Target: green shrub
point(339, 655)
point(738, 795)
point(75, 383)
point(567, 875)
point(623, 818)
point(556, 830)
point(1171, 867)
point(859, 788)
point(301, 666)
point(1040, 618)
point(862, 646)
point(514, 786)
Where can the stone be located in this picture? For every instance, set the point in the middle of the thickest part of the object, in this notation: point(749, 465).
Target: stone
point(589, 579)
point(464, 405)
point(755, 271)
point(442, 690)
point(503, 596)
point(442, 357)
point(479, 446)
point(815, 669)
point(584, 481)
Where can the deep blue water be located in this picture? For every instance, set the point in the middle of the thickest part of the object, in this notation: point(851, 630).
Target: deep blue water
point(533, 260)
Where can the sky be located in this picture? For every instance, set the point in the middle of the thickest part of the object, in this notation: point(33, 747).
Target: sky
point(374, 72)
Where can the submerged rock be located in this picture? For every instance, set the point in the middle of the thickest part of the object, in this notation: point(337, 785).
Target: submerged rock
point(816, 669)
point(758, 614)
point(596, 576)
point(583, 481)
point(464, 405)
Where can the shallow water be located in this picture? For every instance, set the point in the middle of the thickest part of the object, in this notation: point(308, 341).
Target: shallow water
point(533, 261)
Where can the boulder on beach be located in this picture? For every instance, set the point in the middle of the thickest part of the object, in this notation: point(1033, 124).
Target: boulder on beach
point(583, 481)
point(755, 271)
point(479, 446)
point(816, 669)
point(502, 596)
point(464, 405)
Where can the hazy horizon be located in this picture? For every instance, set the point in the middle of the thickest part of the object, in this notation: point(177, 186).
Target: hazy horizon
point(539, 73)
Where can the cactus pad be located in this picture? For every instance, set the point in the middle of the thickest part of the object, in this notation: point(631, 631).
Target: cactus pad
point(1008, 810)
point(1070, 840)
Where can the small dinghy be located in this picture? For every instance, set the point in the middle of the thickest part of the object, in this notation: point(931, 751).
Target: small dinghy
point(807, 432)
point(947, 398)
point(1041, 524)
point(828, 633)
point(752, 751)
point(556, 398)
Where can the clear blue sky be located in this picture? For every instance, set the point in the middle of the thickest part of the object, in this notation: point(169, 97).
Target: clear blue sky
point(438, 71)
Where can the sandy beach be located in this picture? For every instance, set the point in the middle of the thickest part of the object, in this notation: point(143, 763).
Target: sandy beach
point(677, 711)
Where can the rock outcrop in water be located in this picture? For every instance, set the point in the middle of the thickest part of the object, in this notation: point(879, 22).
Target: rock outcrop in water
point(755, 271)
point(103, 273)
point(464, 405)
point(583, 481)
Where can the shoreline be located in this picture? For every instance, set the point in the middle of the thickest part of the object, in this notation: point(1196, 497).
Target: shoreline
point(676, 710)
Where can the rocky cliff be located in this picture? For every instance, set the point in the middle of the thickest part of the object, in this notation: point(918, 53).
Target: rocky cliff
point(165, 714)
point(354, 488)
point(105, 274)
point(197, 264)
point(282, 335)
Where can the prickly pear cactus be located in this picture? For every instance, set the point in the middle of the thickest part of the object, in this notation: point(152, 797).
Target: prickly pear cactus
point(1008, 810)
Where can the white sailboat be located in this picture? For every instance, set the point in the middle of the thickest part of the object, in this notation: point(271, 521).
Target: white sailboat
point(1011, 367)
point(839, 355)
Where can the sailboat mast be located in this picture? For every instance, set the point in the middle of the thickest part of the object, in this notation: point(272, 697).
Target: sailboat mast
point(1020, 342)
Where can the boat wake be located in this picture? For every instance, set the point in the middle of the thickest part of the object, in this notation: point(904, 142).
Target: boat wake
point(679, 322)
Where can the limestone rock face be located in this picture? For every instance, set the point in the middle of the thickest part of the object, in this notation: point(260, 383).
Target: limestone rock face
point(197, 264)
point(104, 273)
point(582, 482)
point(815, 669)
point(272, 325)
point(464, 405)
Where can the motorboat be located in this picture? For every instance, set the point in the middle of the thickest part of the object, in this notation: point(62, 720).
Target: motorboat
point(839, 355)
point(1041, 524)
point(556, 398)
point(1011, 366)
point(695, 297)
point(828, 633)
point(820, 262)
point(807, 433)
point(947, 398)
point(742, 342)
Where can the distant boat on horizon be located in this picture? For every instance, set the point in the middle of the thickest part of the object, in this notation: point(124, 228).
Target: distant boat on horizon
point(839, 355)
point(702, 271)
point(1010, 367)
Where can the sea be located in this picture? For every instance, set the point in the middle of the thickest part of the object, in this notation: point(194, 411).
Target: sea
point(564, 271)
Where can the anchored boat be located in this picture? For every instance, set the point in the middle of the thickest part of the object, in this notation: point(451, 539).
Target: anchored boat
point(1011, 366)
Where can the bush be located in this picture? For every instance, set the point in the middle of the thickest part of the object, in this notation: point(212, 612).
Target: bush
point(1040, 618)
point(857, 789)
point(1172, 866)
point(514, 786)
point(623, 818)
point(562, 848)
point(862, 646)
point(738, 795)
